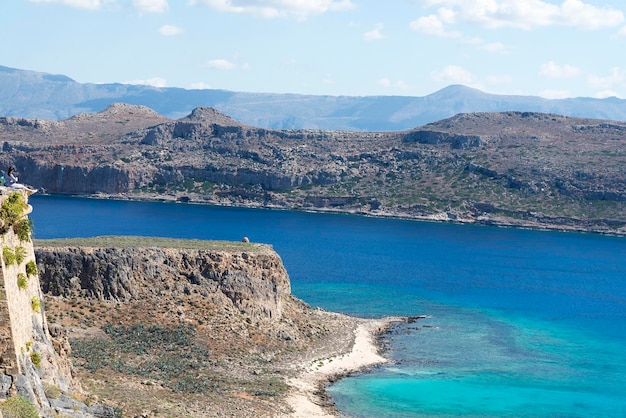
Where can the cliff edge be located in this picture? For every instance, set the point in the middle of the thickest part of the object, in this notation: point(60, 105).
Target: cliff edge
point(170, 328)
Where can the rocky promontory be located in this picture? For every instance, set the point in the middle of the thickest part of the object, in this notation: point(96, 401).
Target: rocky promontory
point(170, 328)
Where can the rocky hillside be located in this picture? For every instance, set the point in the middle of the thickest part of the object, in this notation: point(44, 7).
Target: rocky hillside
point(171, 328)
point(512, 168)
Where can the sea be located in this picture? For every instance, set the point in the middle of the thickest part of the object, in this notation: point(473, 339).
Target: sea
point(517, 323)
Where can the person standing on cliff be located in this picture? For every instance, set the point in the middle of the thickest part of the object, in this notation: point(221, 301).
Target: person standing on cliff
point(12, 182)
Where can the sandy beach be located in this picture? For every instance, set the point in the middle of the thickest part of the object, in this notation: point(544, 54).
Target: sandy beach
point(306, 399)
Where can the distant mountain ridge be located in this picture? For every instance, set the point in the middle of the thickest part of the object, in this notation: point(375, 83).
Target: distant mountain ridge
point(38, 95)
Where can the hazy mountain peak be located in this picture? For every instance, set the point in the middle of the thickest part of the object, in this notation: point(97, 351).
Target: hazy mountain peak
point(35, 95)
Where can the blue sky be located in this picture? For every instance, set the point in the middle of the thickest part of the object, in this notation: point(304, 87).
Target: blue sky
point(549, 48)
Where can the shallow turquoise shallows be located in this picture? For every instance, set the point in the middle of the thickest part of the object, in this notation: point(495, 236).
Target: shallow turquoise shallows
point(520, 323)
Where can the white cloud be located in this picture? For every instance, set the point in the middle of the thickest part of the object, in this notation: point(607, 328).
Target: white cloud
point(622, 32)
point(499, 79)
point(555, 94)
point(526, 14)
point(154, 81)
point(606, 93)
point(220, 64)
point(496, 47)
point(453, 74)
point(616, 78)
point(170, 30)
point(81, 4)
point(298, 9)
point(200, 85)
point(553, 70)
point(400, 85)
point(150, 6)
point(375, 34)
point(143, 6)
point(433, 25)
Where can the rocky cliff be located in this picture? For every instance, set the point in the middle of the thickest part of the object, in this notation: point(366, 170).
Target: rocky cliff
point(144, 326)
point(253, 279)
point(167, 327)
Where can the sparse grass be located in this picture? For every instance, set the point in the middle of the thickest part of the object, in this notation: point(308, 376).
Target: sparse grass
point(145, 242)
point(168, 355)
point(8, 256)
point(51, 391)
point(35, 304)
point(22, 281)
point(23, 228)
point(18, 407)
point(35, 357)
point(31, 268)
point(20, 254)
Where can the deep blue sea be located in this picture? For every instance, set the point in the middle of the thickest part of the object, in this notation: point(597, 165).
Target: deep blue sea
point(521, 323)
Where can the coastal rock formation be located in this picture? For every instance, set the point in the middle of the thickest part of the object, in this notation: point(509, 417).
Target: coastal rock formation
point(254, 282)
point(167, 327)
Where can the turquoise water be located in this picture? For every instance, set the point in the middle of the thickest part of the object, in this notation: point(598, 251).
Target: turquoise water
point(521, 323)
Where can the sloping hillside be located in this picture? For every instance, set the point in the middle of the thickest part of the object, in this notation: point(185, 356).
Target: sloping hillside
point(510, 168)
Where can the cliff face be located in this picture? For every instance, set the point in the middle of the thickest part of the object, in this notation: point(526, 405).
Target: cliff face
point(153, 320)
point(254, 282)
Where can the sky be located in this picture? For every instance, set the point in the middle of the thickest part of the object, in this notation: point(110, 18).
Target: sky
point(548, 48)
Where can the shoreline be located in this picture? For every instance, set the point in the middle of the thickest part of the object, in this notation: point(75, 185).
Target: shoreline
point(435, 218)
point(308, 397)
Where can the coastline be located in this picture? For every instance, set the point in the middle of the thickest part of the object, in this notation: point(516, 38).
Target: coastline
point(574, 225)
point(307, 396)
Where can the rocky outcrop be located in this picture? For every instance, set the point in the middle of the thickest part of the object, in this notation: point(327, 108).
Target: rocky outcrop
point(255, 282)
point(455, 141)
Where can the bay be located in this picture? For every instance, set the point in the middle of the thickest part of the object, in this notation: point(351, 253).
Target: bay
point(521, 322)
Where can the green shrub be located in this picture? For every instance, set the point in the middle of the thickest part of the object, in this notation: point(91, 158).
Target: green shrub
point(149, 351)
point(12, 209)
point(35, 357)
point(22, 281)
point(51, 391)
point(35, 304)
point(18, 407)
point(20, 254)
point(8, 256)
point(23, 229)
point(31, 268)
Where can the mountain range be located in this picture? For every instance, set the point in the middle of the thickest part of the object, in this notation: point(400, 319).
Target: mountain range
point(39, 95)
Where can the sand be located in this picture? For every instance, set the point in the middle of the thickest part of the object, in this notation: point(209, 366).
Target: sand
point(305, 397)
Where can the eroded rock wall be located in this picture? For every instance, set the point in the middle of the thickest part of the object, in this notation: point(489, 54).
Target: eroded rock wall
point(254, 282)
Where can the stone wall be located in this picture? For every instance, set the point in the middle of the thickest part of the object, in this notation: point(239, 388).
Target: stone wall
point(28, 361)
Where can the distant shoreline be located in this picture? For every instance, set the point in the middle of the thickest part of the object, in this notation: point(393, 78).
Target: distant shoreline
point(436, 218)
